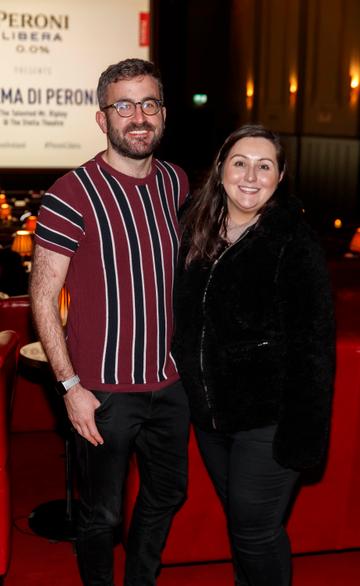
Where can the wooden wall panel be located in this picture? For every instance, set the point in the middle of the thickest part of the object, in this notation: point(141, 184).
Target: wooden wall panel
point(291, 147)
point(333, 49)
point(328, 177)
point(241, 61)
point(278, 63)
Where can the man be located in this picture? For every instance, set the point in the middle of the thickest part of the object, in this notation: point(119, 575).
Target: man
point(109, 230)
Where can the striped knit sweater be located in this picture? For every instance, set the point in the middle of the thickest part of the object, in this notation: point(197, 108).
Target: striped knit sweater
point(122, 236)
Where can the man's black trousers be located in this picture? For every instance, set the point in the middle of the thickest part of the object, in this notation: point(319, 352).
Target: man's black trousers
point(156, 426)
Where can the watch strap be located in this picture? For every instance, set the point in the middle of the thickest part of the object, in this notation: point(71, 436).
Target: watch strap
point(63, 386)
point(70, 382)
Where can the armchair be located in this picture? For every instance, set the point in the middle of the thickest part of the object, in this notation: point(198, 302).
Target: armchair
point(32, 410)
point(9, 344)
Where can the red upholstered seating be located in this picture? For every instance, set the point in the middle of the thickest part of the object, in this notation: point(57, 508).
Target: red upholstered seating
point(15, 315)
point(8, 358)
point(345, 273)
point(326, 513)
point(31, 410)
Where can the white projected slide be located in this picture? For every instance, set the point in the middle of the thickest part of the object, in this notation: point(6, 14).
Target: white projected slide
point(52, 53)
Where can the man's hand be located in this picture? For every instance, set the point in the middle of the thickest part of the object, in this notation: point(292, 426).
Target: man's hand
point(81, 404)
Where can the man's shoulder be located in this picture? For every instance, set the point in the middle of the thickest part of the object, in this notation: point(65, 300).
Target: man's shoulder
point(88, 167)
point(68, 179)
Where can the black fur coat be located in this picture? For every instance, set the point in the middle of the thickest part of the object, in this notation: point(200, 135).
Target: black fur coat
point(254, 340)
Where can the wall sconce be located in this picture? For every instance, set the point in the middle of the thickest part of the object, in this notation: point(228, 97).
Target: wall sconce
point(354, 88)
point(249, 94)
point(337, 223)
point(354, 82)
point(22, 243)
point(293, 88)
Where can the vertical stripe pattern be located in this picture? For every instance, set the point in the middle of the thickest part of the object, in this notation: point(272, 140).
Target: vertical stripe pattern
point(122, 236)
point(109, 361)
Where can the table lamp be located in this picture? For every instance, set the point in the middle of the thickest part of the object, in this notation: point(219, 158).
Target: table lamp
point(22, 243)
point(30, 223)
point(5, 212)
point(354, 245)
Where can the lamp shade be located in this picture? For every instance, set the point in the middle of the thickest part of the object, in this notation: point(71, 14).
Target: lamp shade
point(22, 242)
point(355, 242)
point(5, 211)
point(30, 223)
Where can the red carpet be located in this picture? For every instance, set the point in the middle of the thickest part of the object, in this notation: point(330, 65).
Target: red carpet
point(38, 476)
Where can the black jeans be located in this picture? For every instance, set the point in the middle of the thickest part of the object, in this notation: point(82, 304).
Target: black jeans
point(156, 426)
point(255, 491)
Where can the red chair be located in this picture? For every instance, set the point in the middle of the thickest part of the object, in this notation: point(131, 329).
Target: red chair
point(30, 397)
point(15, 315)
point(9, 344)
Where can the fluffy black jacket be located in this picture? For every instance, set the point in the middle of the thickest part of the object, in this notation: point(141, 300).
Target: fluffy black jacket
point(254, 339)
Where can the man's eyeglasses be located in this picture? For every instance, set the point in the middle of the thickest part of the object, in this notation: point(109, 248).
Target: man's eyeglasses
point(127, 108)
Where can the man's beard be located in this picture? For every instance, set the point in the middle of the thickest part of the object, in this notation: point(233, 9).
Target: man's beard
point(137, 149)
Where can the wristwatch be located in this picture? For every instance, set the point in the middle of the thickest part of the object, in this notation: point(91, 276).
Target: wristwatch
point(63, 386)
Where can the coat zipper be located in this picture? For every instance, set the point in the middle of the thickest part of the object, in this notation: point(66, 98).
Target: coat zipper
point(206, 389)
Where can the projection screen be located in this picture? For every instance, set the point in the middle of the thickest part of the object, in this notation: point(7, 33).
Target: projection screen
point(52, 53)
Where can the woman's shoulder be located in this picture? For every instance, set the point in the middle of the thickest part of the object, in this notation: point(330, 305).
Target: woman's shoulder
point(288, 218)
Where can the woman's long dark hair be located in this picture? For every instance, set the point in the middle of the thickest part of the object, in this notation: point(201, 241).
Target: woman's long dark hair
point(205, 219)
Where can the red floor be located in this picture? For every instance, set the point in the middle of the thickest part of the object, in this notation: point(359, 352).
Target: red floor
point(38, 476)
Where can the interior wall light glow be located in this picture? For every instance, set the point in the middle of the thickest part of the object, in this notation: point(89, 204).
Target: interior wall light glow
point(293, 87)
point(250, 89)
point(354, 84)
point(250, 94)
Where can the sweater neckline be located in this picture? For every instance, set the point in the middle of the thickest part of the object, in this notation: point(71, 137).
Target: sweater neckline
point(122, 177)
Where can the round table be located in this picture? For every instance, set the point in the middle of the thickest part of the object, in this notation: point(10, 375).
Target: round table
point(33, 355)
point(56, 519)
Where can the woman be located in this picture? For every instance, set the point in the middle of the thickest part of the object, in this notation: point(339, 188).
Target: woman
point(254, 345)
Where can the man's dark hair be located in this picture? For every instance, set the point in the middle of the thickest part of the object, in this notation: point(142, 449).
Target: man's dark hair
point(127, 69)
